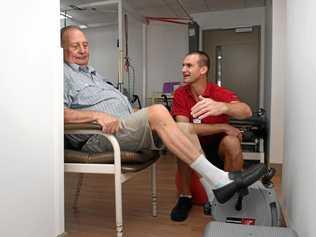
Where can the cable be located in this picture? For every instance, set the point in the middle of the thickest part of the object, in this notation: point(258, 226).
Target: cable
point(176, 20)
point(185, 10)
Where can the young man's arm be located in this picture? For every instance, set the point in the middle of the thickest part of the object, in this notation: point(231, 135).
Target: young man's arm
point(108, 123)
point(208, 107)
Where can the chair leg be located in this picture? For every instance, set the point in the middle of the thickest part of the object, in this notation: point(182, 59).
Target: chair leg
point(153, 190)
point(78, 189)
point(118, 205)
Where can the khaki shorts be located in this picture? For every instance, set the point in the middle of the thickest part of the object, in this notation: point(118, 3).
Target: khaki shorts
point(135, 134)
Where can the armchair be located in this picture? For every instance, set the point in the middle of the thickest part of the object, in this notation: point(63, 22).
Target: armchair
point(122, 164)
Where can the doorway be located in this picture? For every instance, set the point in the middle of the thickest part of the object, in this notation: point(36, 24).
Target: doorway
point(235, 61)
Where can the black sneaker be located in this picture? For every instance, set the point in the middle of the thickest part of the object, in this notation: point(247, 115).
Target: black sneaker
point(181, 211)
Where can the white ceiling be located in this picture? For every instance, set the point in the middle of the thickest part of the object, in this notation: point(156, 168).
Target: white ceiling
point(153, 8)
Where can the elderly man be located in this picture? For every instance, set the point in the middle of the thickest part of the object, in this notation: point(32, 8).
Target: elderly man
point(88, 98)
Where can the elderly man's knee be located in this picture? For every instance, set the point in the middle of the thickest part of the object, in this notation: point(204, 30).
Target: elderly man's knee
point(158, 110)
point(158, 116)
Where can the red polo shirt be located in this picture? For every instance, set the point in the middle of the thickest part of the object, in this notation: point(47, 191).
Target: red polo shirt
point(183, 101)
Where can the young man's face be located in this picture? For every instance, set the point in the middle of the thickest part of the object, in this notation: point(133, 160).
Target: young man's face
point(191, 70)
point(76, 50)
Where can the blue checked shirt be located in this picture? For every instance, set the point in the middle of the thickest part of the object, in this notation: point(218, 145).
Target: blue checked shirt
point(85, 89)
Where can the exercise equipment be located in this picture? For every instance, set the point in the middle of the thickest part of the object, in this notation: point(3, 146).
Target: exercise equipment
point(253, 129)
point(257, 204)
point(220, 229)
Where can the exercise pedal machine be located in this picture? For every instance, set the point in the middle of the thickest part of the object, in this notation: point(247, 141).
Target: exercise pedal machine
point(257, 204)
point(220, 229)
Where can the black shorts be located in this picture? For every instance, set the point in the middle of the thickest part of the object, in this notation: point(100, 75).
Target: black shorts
point(211, 151)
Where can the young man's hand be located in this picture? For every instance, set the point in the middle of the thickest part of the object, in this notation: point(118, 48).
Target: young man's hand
point(208, 107)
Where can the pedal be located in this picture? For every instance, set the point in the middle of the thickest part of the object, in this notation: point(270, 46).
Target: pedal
point(207, 209)
point(241, 194)
point(267, 178)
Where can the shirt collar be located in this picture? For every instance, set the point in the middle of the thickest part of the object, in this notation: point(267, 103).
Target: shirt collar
point(208, 90)
point(187, 88)
point(78, 68)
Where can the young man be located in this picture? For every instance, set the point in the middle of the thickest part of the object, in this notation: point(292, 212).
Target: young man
point(208, 107)
point(88, 98)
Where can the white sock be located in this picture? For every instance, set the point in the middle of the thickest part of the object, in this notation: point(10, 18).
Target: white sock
point(211, 173)
point(208, 189)
point(185, 195)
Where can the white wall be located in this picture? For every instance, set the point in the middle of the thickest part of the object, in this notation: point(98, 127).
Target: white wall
point(230, 19)
point(135, 53)
point(299, 161)
point(104, 52)
point(268, 70)
point(275, 76)
point(278, 80)
point(31, 163)
point(167, 45)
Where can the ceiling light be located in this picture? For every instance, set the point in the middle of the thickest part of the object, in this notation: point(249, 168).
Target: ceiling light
point(243, 30)
point(64, 15)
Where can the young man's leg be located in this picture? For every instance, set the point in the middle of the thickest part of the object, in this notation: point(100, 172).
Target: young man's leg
point(230, 151)
point(184, 203)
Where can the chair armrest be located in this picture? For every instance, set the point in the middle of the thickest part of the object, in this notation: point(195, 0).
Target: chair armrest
point(94, 128)
point(133, 161)
point(82, 126)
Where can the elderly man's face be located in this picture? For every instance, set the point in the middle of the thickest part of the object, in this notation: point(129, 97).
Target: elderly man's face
point(76, 50)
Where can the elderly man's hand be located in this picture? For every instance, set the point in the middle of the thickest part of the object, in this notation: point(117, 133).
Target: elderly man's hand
point(109, 123)
point(208, 107)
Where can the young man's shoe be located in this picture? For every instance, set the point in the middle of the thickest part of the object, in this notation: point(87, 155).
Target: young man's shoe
point(181, 211)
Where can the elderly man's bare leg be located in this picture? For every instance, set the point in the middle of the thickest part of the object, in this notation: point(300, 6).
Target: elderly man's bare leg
point(185, 170)
point(184, 203)
point(177, 142)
